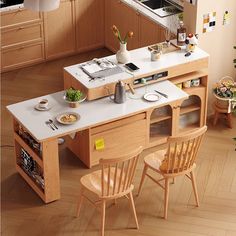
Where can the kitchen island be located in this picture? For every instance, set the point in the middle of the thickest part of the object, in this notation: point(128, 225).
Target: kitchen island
point(106, 129)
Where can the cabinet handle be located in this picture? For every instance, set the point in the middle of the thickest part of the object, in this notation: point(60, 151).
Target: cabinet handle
point(137, 13)
point(20, 28)
point(21, 48)
point(20, 9)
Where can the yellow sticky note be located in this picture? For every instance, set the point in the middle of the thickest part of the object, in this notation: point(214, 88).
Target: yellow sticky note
point(99, 144)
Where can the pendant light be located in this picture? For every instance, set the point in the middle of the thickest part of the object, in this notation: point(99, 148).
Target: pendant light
point(41, 5)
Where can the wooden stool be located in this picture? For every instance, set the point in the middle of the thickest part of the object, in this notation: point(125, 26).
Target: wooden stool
point(219, 111)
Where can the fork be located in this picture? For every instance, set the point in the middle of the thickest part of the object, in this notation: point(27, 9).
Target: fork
point(48, 123)
point(52, 123)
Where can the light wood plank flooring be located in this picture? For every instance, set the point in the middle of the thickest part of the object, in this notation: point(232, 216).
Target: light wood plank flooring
point(24, 214)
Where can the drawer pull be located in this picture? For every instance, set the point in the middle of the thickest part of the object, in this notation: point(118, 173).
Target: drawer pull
point(21, 48)
point(20, 28)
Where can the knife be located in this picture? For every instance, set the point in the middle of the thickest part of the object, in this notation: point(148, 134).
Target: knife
point(162, 94)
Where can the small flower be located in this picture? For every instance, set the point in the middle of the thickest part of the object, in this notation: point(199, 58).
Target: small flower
point(116, 32)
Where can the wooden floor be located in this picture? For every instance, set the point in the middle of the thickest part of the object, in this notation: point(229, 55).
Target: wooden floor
point(24, 214)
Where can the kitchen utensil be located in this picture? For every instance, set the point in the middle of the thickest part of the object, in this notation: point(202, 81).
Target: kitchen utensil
point(38, 108)
point(162, 94)
point(48, 123)
point(151, 97)
point(51, 121)
point(43, 103)
point(120, 93)
point(68, 118)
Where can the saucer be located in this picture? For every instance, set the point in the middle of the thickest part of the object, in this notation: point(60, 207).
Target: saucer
point(38, 108)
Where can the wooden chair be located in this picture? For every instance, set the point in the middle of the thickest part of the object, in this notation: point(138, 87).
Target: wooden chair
point(178, 159)
point(113, 181)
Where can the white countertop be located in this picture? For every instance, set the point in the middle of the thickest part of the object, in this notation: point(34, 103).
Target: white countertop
point(92, 113)
point(142, 58)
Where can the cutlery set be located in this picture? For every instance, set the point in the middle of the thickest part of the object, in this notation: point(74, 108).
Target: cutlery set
point(51, 124)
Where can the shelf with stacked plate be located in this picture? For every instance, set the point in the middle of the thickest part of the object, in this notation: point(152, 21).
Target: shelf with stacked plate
point(37, 163)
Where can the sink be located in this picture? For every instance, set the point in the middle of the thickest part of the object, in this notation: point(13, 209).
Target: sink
point(162, 8)
point(155, 4)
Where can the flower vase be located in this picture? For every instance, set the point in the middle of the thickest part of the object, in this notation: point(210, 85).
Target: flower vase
point(123, 56)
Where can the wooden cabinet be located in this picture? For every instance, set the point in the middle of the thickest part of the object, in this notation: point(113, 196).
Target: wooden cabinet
point(89, 17)
point(149, 31)
point(60, 30)
point(21, 38)
point(180, 116)
point(37, 163)
point(126, 19)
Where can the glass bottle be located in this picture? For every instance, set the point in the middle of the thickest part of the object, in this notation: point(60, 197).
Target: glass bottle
point(181, 34)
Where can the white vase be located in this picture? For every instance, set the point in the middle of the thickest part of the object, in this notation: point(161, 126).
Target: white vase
point(123, 56)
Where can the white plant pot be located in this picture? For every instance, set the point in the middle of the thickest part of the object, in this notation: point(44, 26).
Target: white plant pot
point(123, 56)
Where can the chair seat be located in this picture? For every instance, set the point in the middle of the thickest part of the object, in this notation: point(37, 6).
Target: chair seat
point(92, 181)
point(155, 159)
point(158, 160)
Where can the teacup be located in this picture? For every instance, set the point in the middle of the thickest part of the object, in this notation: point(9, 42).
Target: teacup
point(43, 103)
point(155, 55)
point(187, 84)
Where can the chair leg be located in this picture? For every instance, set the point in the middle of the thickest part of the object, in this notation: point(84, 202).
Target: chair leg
point(103, 217)
point(166, 198)
point(173, 180)
point(194, 187)
point(215, 118)
point(133, 208)
point(81, 198)
point(142, 179)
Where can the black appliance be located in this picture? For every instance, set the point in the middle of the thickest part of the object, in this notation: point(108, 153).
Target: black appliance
point(7, 3)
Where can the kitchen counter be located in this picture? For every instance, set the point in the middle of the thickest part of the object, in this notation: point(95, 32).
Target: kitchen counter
point(106, 129)
point(171, 22)
point(140, 57)
point(92, 113)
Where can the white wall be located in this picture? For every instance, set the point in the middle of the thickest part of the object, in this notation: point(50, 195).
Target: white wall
point(218, 43)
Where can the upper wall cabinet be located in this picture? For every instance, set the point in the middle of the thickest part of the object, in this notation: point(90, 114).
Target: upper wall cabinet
point(89, 16)
point(60, 30)
point(126, 19)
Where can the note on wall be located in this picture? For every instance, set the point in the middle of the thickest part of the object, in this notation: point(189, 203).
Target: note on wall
point(209, 22)
point(194, 2)
point(226, 18)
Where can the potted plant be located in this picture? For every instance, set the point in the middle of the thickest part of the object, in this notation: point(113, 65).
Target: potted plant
point(74, 97)
point(122, 55)
point(224, 92)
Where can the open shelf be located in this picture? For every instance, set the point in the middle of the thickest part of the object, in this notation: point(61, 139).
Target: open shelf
point(190, 108)
point(189, 76)
point(28, 149)
point(31, 182)
point(159, 119)
point(189, 128)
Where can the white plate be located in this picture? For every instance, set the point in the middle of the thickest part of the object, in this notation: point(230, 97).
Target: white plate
point(76, 116)
point(151, 97)
point(38, 108)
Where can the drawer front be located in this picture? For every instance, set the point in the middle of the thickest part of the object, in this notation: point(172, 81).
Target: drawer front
point(21, 34)
point(18, 16)
point(24, 55)
point(119, 141)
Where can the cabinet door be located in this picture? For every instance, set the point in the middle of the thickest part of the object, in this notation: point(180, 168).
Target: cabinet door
point(89, 24)
point(126, 19)
point(60, 30)
point(149, 32)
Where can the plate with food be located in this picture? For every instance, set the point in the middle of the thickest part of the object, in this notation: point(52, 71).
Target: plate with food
point(68, 118)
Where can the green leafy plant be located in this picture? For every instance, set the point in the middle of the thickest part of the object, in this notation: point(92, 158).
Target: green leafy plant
point(73, 95)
